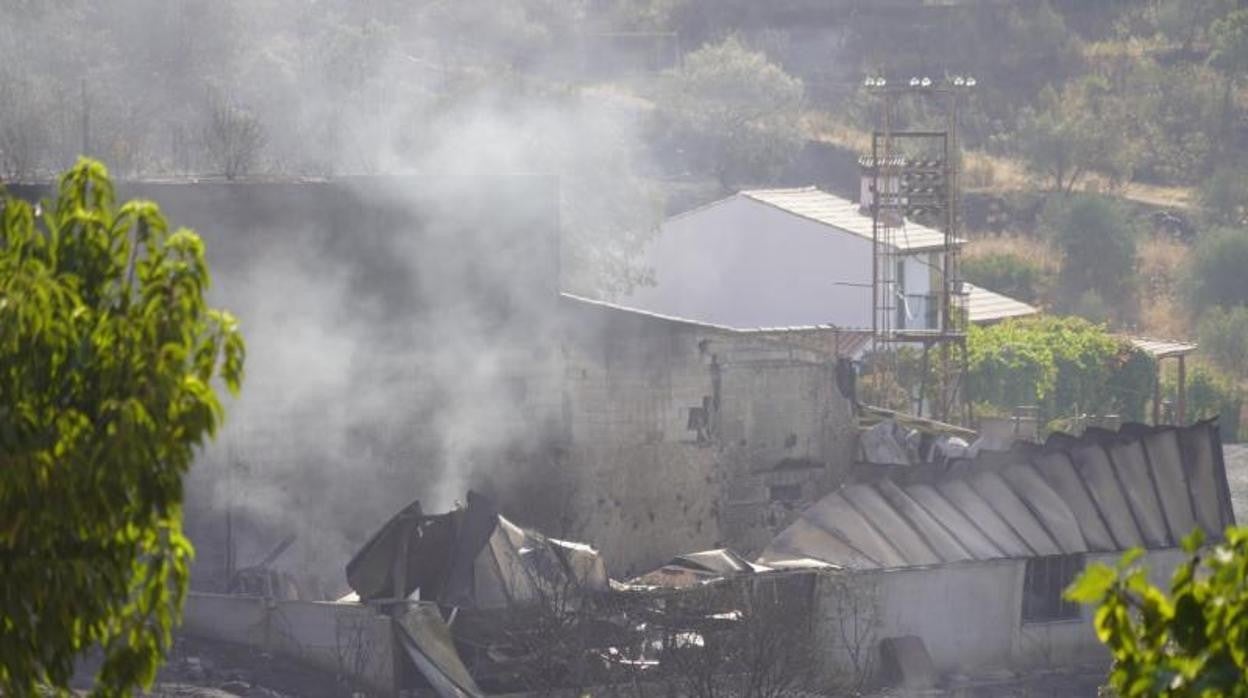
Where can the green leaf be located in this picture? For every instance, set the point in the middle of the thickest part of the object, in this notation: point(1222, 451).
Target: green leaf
point(1092, 585)
point(105, 390)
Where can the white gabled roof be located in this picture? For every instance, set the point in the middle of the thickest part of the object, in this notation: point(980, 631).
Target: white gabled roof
point(983, 305)
point(822, 207)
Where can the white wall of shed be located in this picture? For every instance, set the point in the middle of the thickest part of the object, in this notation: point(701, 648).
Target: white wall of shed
point(969, 616)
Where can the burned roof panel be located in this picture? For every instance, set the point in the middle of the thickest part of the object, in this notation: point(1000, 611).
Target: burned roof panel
point(891, 524)
point(940, 540)
point(1092, 464)
point(1206, 477)
point(968, 534)
point(1137, 483)
point(836, 515)
point(802, 535)
point(1047, 506)
point(967, 500)
point(469, 557)
point(1003, 500)
point(1164, 461)
point(1099, 492)
point(1058, 470)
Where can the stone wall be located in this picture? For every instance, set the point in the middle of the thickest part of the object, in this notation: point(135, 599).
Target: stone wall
point(678, 437)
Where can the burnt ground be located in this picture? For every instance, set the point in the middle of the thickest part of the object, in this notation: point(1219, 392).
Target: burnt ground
point(202, 669)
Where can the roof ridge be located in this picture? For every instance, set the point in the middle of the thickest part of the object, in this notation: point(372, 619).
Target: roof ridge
point(807, 188)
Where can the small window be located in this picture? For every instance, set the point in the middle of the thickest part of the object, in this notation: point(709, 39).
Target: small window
point(1046, 578)
point(786, 493)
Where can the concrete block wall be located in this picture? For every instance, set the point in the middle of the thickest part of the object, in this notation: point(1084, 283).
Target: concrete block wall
point(637, 387)
point(631, 477)
point(783, 423)
point(347, 639)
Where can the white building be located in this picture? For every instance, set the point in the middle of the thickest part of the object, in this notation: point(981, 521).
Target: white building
point(796, 258)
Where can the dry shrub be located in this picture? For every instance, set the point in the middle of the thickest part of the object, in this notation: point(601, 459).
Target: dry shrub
point(1160, 261)
point(1164, 317)
point(1018, 245)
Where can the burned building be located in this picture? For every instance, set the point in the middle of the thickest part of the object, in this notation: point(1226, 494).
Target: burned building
point(407, 339)
point(674, 435)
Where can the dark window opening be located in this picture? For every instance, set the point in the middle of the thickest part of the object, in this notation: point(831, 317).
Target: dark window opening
point(1046, 578)
point(785, 493)
point(700, 420)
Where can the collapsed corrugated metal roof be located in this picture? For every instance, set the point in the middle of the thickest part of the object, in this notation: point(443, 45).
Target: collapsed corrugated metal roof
point(1105, 491)
point(696, 568)
point(471, 557)
point(822, 207)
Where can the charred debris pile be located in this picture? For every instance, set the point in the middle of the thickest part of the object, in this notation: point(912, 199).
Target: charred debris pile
point(471, 604)
point(524, 612)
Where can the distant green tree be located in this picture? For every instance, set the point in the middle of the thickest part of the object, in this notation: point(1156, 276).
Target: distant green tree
point(1224, 197)
point(1073, 132)
point(1012, 274)
point(1223, 337)
point(233, 136)
point(1097, 243)
point(1190, 643)
point(1215, 273)
point(1187, 21)
point(1175, 112)
point(735, 114)
point(108, 358)
point(1210, 393)
point(1229, 54)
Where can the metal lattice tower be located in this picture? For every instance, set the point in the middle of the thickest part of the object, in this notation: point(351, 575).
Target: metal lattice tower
point(914, 175)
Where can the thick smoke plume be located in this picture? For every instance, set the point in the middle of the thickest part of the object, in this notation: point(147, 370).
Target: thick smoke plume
point(392, 357)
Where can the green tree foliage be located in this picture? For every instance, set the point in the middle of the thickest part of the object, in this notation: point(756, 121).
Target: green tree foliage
point(1097, 243)
point(108, 357)
point(1224, 197)
point(1059, 364)
point(1215, 275)
point(1223, 337)
point(1210, 393)
point(1186, 21)
point(1075, 131)
point(1229, 55)
point(735, 113)
point(1192, 642)
point(1012, 274)
point(1175, 112)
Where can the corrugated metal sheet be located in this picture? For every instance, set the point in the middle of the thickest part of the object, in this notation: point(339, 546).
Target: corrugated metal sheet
point(1104, 491)
point(1161, 348)
point(984, 306)
point(820, 206)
